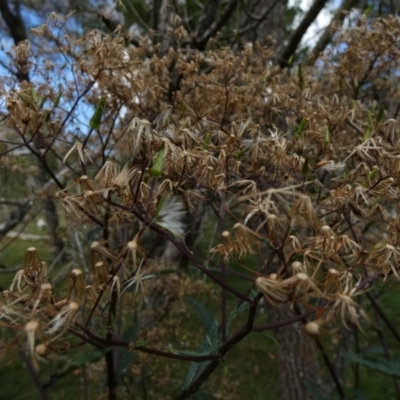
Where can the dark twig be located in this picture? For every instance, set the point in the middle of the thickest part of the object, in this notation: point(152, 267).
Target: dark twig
point(297, 35)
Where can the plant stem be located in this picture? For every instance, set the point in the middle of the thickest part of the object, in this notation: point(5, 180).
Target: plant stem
point(383, 316)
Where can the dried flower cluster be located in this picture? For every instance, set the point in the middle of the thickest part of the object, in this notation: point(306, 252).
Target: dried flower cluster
point(299, 171)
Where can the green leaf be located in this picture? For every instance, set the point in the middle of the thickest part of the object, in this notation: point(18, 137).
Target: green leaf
point(57, 100)
point(360, 394)
point(369, 9)
point(206, 142)
point(194, 370)
point(182, 111)
point(380, 115)
point(209, 345)
point(387, 367)
point(205, 315)
point(209, 351)
point(270, 337)
point(157, 167)
point(55, 104)
point(300, 128)
point(315, 394)
point(126, 356)
point(89, 357)
point(370, 177)
point(25, 98)
point(306, 167)
point(327, 138)
point(237, 310)
point(95, 121)
point(370, 127)
point(34, 96)
point(142, 343)
point(42, 102)
point(240, 153)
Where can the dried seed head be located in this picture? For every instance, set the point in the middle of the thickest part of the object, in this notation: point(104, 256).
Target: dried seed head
point(228, 242)
point(41, 350)
point(245, 238)
point(274, 228)
point(302, 276)
point(312, 327)
point(98, 249)
point(138, 136)
point(77, 284)
point(107, 174)
point(328, 236)
point(303, 207)
point(31, 326)
point(31, 258)
point(62, 320)
point(271, 290)
point(17, 280)
point(43, 295)
point(73, 306)
point(101, 273)
point(91, 293)
point(392, 131)
point(75, 273)
point(46, 287)
point(88, 194)
point(124, 177)
point(132, 245)
point(78, 148)
point(297, 267)
point(295, 243)
point(30, 329)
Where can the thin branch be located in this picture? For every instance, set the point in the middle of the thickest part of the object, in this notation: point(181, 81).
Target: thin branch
point(207, 18)
point(258, 18)
point(131, 345)
point(15, 217)
point(383, 316)
point(238, 337)
point(336, 21)
point(115, 28)
point(34, 375)
point(200, 42)
point(297, 35)
point(17, 30)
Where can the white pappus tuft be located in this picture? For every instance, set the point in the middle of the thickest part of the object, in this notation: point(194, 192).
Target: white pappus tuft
point(170, 216)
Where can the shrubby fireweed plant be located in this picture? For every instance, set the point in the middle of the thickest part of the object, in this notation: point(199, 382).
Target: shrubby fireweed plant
point(297, 170)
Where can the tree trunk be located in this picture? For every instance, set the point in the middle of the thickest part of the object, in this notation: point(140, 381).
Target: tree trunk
point(298, 365)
